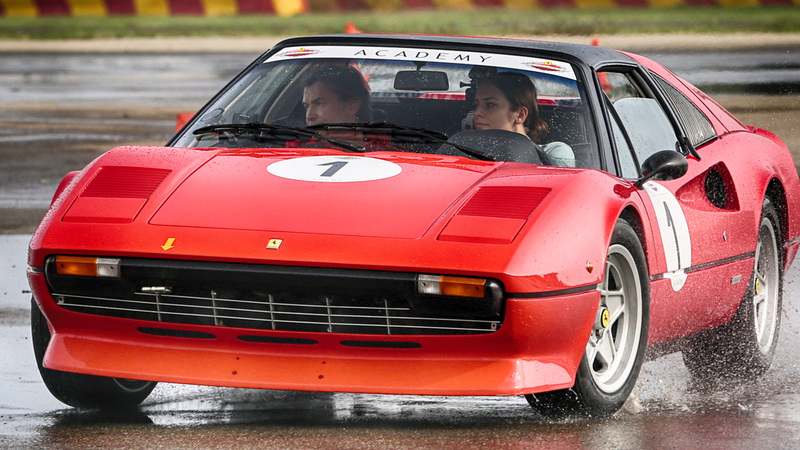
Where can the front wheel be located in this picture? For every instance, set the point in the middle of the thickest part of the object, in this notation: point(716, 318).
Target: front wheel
point(615, 350)
point(78, 390)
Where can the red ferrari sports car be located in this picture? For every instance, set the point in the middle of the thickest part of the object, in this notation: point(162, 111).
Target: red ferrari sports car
point(422, 215)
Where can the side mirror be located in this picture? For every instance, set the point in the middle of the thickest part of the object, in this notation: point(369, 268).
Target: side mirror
point(421, 80)
point(664, 165)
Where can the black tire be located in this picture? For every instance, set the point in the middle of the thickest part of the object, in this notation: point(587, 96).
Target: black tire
point(83, 391)
point(605, 379)
point(743, 349)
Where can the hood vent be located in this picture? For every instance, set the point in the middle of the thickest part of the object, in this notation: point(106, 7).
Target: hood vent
point(125, 182)
point(494, 215)
point(116, 194)
point(508, 202)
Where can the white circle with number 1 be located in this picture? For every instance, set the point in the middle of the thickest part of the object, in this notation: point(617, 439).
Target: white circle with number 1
point(334, 169)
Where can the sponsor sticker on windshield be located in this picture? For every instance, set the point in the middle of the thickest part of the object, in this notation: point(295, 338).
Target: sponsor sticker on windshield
point(558, 68)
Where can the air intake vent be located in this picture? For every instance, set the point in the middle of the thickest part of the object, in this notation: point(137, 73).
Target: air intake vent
point(508, 202)
point(275, 299)
point(125, 182)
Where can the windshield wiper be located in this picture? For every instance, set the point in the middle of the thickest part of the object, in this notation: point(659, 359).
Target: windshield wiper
point(275, 130)
point(385, 128)
point(402, 130)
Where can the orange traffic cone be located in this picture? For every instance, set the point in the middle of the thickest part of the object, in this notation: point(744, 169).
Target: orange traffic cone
point(602, 76)
point(351, 29)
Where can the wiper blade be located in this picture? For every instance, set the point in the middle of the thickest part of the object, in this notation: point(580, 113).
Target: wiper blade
point(255, 127)
point(395, 130)
point(384, 127)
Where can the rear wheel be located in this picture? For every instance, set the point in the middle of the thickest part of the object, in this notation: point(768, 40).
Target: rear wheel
point(78, 390)
point(615, 351)
point(744, 347)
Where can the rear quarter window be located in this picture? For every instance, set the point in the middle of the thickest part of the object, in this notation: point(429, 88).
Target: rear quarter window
point(698, 128)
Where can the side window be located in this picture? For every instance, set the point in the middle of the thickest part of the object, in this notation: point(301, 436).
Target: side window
point(627, 162)
point(639, 117)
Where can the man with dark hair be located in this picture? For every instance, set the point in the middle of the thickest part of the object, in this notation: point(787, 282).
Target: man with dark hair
point(339, 94)
point(336, 94)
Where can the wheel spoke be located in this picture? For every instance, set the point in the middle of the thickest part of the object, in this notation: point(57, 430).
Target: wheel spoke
point(616, 306)
point(761, 277)
point(613, 295)
point(605, 350)
point(761, 311)
point(600, 353)
point(759, 299)
point(591, 350)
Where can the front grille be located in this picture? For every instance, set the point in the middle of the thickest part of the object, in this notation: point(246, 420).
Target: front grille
point(274, 298)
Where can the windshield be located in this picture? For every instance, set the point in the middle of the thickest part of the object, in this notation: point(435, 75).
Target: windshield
point(403, 99)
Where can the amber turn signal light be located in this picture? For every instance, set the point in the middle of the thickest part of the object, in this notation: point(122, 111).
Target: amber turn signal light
point(87, 266)
point(451, 286)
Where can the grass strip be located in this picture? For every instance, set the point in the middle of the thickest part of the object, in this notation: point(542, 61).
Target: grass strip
point(488, 22)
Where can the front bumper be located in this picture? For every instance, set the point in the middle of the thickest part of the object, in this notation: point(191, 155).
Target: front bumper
point(537, 348)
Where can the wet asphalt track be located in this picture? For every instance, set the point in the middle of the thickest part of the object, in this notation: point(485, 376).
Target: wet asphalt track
point(665, 412)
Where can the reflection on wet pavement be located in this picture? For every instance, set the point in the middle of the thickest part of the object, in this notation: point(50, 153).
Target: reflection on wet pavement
point(664, 411)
